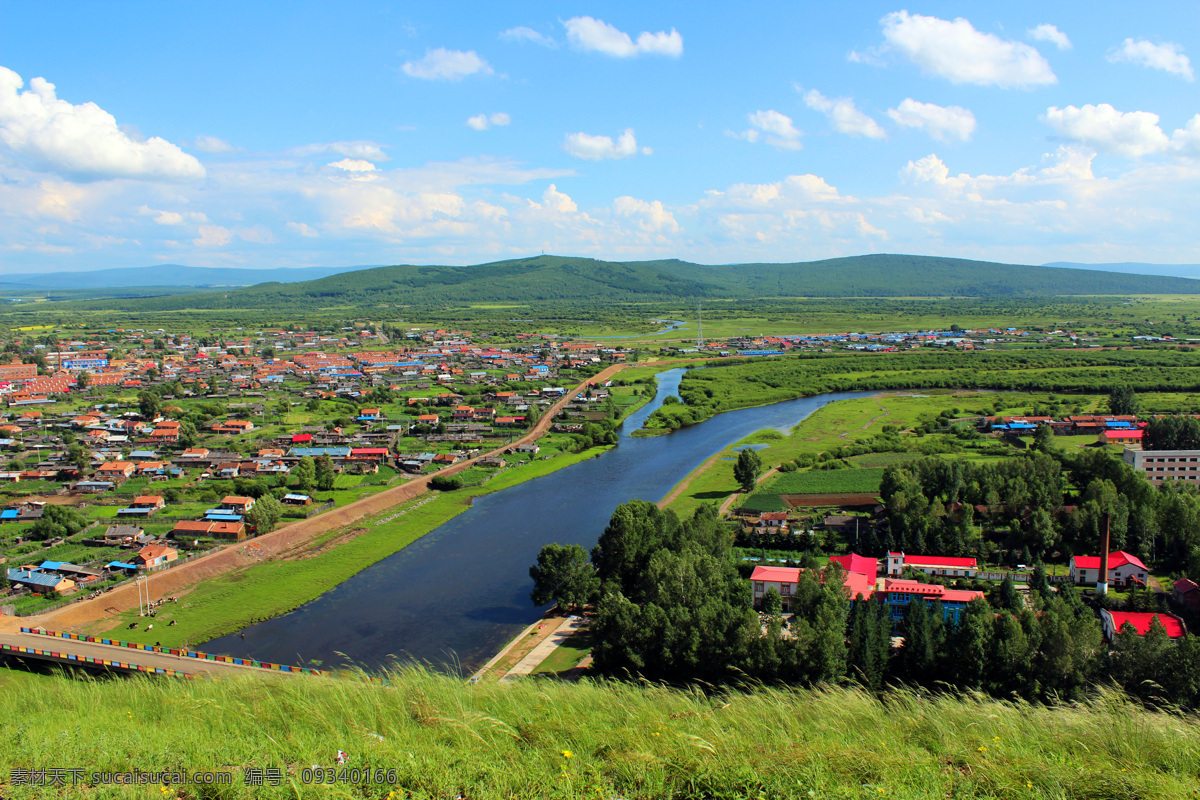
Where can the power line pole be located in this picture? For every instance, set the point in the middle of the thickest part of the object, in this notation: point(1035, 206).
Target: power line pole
point(699, 326)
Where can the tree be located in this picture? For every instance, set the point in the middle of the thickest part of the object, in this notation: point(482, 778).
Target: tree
point(1043, 438)
point(266, 514)
point(1122, 401)
point(325, 473)
point(563, 575)
point(83, 380)
point(149, 405)
point(772, 603)
point(306, 474)
point(747, 468)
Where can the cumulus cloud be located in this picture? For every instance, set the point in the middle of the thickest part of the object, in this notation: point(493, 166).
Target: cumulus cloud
point(1132, 134)
point(595, 148)
point(843, 115)
point(304, 229)
point(213, 236)
point(481, 122)
point(211, 144)
point(557, 201)
point(368, 151)
point(944, 123)
point(954, 50)
point(82, 141)
point(1167, 56)
point(651, 217)
point(779, 130)
point(1049, 33)
point(354, 165)
point(446, 65)
point(172, 217)
point(588, 33)
point(522, 33)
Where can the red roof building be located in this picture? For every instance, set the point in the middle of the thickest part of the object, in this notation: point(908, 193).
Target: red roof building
point(931, 565)
point(1123, 569)
point(1114, 621)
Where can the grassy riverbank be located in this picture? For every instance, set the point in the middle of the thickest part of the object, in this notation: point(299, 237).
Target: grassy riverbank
point(549, 739)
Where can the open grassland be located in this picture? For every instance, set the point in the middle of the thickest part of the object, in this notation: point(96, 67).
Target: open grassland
point(826, 481)
point(432, 737)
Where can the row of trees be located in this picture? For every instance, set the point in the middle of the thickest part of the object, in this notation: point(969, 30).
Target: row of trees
point(671, 606)
point(1024, 511)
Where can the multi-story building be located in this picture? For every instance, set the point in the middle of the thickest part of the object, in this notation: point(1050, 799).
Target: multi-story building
point(1161, 465)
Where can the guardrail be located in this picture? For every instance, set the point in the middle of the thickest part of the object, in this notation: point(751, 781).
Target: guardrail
point(33, 651)
point(179, 652)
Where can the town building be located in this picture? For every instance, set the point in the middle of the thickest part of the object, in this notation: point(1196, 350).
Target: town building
point(931, 565)
point(1124, 569)
point(1162, 465)
point(1113, 621)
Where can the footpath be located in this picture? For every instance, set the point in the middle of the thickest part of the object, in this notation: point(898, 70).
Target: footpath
point(262, 548)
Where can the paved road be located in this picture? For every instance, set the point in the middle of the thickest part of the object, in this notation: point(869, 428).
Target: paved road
point(129, 655)
point(173, 581)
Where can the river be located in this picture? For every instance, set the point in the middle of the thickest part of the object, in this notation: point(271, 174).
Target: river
point(456, 595)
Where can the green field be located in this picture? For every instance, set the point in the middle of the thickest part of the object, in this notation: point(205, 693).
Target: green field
point(825, 481)
point(434, 738)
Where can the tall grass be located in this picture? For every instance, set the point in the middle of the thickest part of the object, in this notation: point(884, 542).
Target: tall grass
point(543, 738)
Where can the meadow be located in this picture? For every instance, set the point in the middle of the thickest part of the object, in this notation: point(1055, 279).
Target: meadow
point(432, 737)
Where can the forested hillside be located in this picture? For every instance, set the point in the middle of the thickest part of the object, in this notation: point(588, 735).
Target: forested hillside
point(556, 279)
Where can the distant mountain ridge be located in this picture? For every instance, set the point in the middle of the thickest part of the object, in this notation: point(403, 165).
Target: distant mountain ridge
point(561, 278)
point(164, 275)
point(1136, 268)
point(549, 279)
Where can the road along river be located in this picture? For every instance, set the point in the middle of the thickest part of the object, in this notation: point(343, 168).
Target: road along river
point(456, 595)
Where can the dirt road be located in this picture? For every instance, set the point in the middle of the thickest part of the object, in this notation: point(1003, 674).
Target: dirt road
point(174, 581)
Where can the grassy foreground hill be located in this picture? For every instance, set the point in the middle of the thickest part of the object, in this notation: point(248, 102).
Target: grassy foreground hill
point(558, 279)
point(548, 739)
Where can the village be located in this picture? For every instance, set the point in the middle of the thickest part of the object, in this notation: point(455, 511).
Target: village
point(133, 451)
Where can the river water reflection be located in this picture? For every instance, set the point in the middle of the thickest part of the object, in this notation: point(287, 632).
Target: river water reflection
point(455, 596)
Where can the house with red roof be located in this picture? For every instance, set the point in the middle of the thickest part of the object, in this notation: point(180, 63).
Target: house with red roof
point(1114, 621)
point(858, 578)
point(1123, 569)
point(931, 565)
point(1187, 593)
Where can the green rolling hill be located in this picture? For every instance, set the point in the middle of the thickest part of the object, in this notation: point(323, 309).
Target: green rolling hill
point(558, 279)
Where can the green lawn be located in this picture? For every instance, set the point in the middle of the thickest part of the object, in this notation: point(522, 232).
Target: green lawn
point(567, 655)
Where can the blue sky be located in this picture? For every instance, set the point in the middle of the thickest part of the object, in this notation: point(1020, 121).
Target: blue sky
point(301, 134)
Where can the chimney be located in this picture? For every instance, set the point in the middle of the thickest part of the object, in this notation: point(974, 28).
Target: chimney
point(1102, 578)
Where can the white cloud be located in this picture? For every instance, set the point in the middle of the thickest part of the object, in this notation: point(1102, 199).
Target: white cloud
point(780, 131)
point(1049, 33)
point(447, 65)
point(522, 33)
point(481, 122)
point(844, 117)
point(944, 123)
point(558, 202)
point(354, 165)
point(1186, 140)
point(651, 217)
point(595, 148)
point(1167, 56)
point(211, 144)
point(213, 236)
point(369, 151)
point(304, 229)
point(82, 141)
point(588, 33)
point(172, 217)
point(954, 50)
point(1132, 134)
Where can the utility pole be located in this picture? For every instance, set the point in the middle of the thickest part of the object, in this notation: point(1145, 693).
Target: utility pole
point(699, 326)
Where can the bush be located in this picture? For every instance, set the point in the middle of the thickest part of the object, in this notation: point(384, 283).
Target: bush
point(445, 483)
